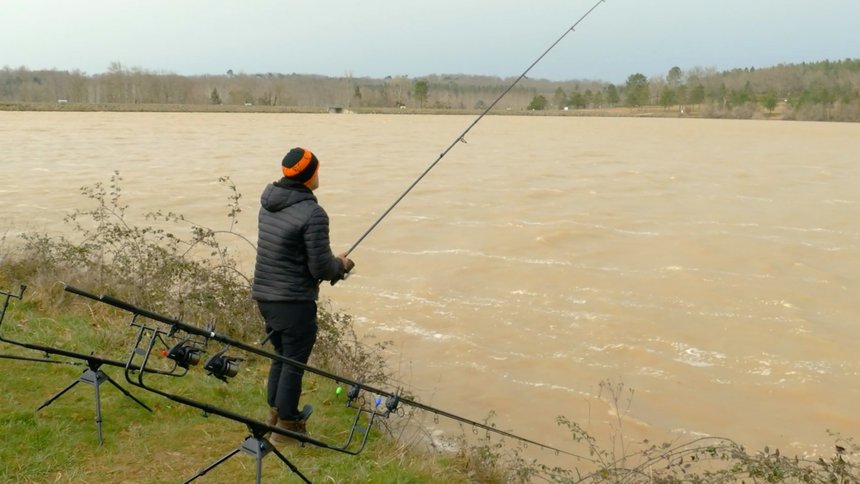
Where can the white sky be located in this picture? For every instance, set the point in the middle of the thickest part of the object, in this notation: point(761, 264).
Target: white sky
point(376, 38)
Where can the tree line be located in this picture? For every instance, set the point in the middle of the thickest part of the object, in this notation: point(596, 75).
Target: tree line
point(822, 91)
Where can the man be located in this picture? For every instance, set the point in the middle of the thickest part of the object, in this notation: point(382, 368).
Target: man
point(293, 256)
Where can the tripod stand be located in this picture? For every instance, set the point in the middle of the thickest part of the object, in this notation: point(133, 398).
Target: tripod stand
point(258, 446)
point(93, 375)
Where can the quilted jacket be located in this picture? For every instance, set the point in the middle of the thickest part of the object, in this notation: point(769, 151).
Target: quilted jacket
point(293, 251)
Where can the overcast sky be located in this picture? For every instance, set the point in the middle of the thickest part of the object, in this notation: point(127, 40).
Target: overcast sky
point(377, 38)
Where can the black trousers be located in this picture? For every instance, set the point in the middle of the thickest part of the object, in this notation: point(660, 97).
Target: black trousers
point(293, 328)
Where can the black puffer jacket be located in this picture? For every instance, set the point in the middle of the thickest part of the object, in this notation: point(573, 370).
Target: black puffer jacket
point(293, 251)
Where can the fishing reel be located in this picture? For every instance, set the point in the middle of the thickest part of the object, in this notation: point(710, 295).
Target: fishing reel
point(184, 353)
point(221, 366)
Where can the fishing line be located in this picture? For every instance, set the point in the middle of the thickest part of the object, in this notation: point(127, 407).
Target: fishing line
point(462, 137)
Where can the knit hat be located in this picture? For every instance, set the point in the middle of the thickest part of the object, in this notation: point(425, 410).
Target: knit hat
point(300, 165)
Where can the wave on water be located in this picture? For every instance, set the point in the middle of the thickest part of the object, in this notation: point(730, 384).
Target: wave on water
point(551, 386)
point(693, 356)
point(474, 253)
point(411, 328)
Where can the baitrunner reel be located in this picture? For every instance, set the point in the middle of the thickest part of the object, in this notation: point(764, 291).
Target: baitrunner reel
point(184, 353)
point(221, 366)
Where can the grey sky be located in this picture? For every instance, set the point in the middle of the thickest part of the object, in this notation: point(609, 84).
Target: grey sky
point(376, 38)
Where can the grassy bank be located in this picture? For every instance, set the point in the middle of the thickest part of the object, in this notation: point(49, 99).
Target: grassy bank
point(59, 443)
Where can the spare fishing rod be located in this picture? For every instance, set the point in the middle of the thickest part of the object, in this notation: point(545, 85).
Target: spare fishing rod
point(38, 360)
point(462, 137)
point(393, 398)
point(92, 360)
point(45, 349)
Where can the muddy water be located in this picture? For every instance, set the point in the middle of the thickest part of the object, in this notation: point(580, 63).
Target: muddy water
point(712, 266)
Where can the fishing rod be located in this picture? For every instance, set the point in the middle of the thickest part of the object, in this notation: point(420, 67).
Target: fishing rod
point(47, 350)
point(93, 361)
point(38, 360)
point(392, 398)
point(462, 137)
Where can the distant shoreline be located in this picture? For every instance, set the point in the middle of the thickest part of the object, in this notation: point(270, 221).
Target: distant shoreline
point(819, 91)
point(637, 112)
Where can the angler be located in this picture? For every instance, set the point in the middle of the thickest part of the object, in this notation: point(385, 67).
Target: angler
point(293, 255)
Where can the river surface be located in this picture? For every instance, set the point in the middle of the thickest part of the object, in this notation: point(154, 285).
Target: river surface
point(712, 266)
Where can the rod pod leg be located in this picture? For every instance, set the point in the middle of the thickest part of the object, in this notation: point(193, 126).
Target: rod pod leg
point(257, 446)
point(94, 376)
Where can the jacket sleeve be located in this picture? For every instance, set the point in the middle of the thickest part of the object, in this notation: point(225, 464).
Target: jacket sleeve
point(321, 261)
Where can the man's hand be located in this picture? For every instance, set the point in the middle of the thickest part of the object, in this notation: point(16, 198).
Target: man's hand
point(348, 264)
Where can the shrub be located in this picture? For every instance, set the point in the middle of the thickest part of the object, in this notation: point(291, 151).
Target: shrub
point(193, 277)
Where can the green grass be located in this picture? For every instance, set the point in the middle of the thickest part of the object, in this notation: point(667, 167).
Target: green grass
point(59, 443)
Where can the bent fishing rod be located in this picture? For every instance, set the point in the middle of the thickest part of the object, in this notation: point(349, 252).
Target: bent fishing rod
point(462, 137)
point(394, 398)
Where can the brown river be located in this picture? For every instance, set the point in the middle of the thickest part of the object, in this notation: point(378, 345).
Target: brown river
point(712, 266)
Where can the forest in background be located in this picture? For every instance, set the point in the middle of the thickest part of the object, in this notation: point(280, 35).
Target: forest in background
point(815, 91)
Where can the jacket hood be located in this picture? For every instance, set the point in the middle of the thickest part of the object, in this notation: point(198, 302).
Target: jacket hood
point(281, 194)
